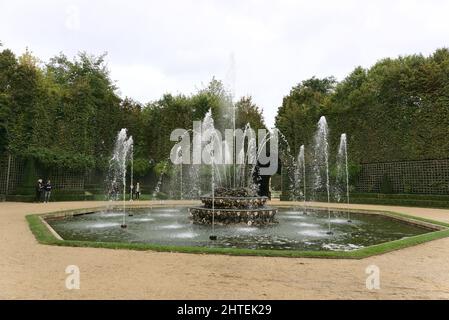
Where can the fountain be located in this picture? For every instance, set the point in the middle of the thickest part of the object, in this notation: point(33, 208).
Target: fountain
point(342, 166)
point(117, 167)
point(321, 162)
point(233, 198)
point(233, 201)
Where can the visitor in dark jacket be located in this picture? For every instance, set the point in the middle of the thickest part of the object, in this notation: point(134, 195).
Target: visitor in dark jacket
point(47, 189)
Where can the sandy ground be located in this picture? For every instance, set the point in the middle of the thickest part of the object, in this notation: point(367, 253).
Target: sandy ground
point(29, 270)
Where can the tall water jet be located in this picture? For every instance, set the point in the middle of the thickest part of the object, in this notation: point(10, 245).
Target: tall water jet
point(118, 164)
point(302, 167)
point(213, 236)
point(342, 166)
point(321, 162)
point(132, 174)
point(157, 189)
point(181, 180)
point(296, 181)
point(211, 144)
point(178, 171)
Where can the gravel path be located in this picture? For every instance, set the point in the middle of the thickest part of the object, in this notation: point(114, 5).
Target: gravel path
point(29, 270)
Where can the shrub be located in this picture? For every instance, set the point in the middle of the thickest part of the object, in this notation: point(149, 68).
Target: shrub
point(386, 186)
point(162, 196)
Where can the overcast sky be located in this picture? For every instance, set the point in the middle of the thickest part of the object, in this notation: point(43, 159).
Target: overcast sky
point(258, 48)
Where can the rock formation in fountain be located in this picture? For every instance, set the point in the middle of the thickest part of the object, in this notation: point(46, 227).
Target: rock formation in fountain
point(233, 205)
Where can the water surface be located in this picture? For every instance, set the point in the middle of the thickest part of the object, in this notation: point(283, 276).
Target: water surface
point(294, 230)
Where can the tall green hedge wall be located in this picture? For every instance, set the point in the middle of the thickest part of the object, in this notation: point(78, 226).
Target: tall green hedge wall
point(396, 110)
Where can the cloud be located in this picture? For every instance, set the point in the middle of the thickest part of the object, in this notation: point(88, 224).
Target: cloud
point(176, 46)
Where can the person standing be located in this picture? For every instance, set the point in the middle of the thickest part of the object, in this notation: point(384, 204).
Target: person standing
point(47, 190)
point(137, 191)
point(39, 187)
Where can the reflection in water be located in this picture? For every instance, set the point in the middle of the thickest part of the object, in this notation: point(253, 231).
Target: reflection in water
point(172, 226)
point(104, 224)
point(314, 233)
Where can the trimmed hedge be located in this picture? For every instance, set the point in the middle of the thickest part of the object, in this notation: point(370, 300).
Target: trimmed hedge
point(54, 197)
point(425, 197)
point(402, 202)
point(19, 198)
point(407, 200)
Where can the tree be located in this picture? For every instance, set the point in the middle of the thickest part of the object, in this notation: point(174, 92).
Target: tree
point(248, 112)
point(8, 66)
point(302, 108)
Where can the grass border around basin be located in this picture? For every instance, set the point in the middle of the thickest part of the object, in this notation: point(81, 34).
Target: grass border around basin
point(45, 236)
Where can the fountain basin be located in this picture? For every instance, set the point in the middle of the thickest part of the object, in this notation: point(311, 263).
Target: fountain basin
point(251, 216)
point(294, 235)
